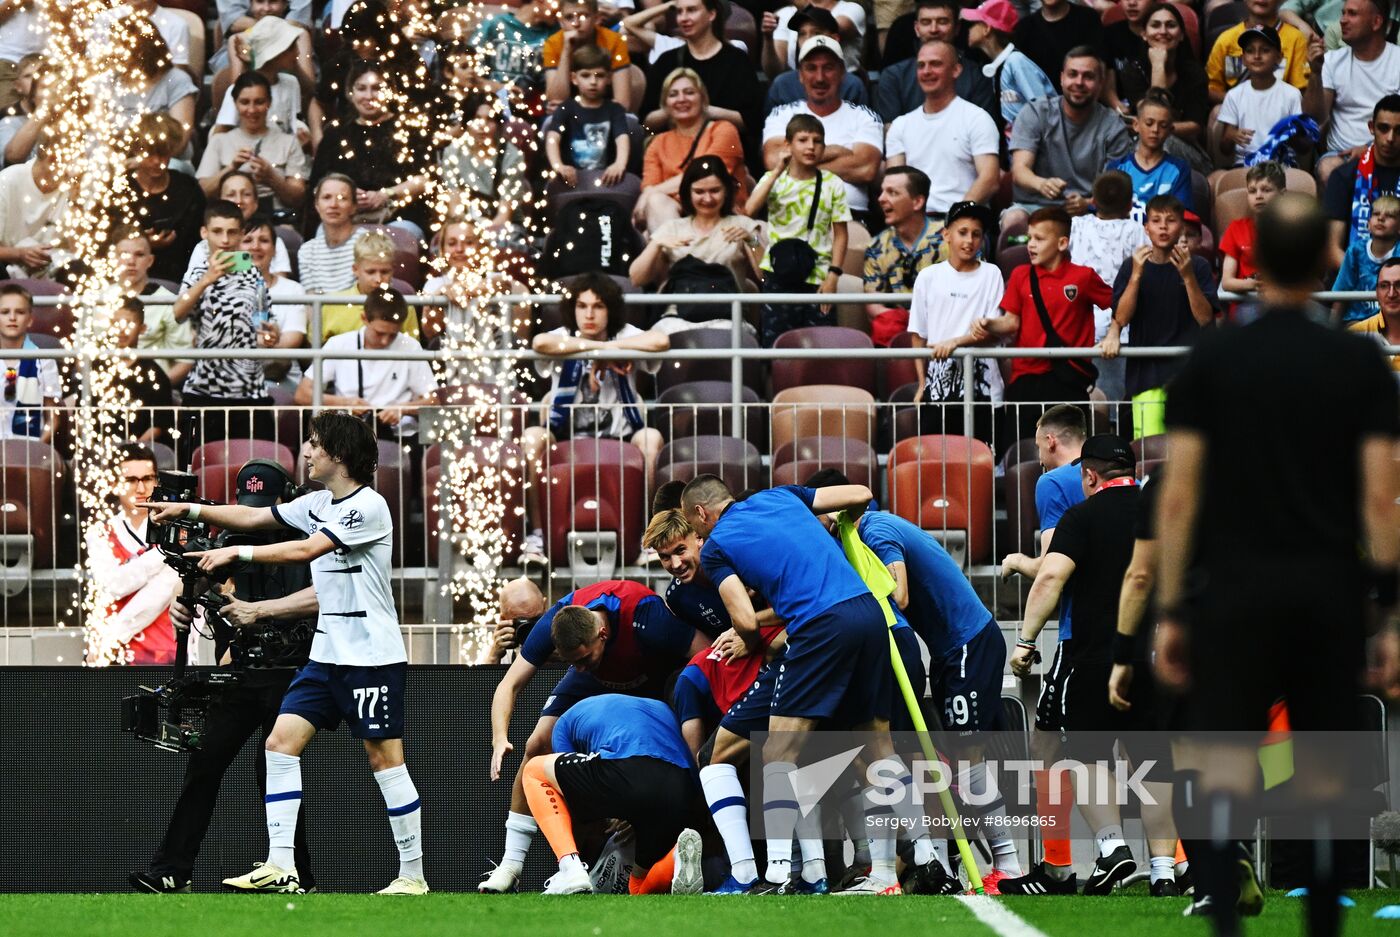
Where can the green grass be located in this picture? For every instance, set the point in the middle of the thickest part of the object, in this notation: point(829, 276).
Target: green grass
point(453, 915)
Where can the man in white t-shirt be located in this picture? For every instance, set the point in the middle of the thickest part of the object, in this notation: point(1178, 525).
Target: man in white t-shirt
point(1346, 83)
point(358, 668)
point(948, 298)
point(393, 389)
point(854, 134)
point(955, 143)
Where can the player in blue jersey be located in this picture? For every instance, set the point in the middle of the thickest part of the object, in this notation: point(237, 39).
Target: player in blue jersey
point(836, 668)
point(967, 655)
point(718, 688)
point(618, 637)
point(1059, 437)
point(357, 670)
point(619, 758)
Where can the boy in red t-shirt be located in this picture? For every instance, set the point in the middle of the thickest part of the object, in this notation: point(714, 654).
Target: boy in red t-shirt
point(1069, 293)
point(1263, 181)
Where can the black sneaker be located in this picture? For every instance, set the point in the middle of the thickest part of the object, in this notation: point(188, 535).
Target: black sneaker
point(1109, 870)
point(932, 879)
point(160, 884)
point(1186, 883)
point(852, 875)
point(1165, 888)
point(765, 887)
point(1038, 882)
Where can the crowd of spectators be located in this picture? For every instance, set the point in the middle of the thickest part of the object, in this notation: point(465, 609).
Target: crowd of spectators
point(1039, 174)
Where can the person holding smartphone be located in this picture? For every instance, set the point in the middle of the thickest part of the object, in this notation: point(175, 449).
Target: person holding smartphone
point(223, 297)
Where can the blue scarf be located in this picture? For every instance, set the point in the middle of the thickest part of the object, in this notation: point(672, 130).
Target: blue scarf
point(1363, 193)
point(28, 419)
point(1278, 145)
point(570, 373)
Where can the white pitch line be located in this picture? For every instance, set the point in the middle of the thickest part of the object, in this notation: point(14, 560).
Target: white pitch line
point(1000, 918)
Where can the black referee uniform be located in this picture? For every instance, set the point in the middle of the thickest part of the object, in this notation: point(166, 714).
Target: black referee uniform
point(1274, 597)
point(1098, 534)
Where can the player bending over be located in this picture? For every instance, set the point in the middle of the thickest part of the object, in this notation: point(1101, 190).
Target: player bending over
point(619, 758)
point(618, 637)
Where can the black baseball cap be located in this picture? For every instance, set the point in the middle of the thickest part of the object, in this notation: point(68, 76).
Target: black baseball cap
point(261, 483)
point(1107, 447)
point(824, 20)
point(969, 210)
point(1267, 33)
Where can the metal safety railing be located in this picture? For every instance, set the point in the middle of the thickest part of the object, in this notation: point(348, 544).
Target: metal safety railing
point(591, 502)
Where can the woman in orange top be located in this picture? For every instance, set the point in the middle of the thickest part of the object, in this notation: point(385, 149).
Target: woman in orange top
point(694, 133)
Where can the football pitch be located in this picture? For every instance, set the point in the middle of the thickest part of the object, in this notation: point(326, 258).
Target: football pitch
point(214, 915)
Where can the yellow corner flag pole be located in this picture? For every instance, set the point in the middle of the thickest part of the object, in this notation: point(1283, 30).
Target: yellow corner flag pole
point(945, 796)
point(878, 579)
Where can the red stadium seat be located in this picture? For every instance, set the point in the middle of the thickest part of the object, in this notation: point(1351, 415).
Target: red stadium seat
point(704, 408)
point(31, 473)
point(290, 431)
point(737, 461)
point(597, 492)
point(682, 371)
point(944, 484)
point(237, 451)
point(796, 461)
point(896, 372)
point(849, 372)
point(822, 410)
point(218, 481)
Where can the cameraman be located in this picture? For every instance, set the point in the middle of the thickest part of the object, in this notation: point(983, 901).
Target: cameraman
point(269, 593)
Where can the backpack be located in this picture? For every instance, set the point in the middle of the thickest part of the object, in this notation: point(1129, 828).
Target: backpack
point(694, 276)
point(590, 235)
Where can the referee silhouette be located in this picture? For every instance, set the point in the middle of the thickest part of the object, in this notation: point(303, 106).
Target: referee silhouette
point(1279, 541)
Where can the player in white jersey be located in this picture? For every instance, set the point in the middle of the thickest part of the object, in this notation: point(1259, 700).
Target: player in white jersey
point(358, 666)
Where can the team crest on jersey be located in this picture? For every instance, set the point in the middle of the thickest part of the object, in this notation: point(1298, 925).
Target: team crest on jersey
point(1071, 291)
point(352, 520)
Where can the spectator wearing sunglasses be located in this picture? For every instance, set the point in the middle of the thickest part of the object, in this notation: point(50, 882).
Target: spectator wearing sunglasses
point(31, 386)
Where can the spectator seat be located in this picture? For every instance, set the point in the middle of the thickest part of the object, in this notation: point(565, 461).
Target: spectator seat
point(704, 408)
point(850, 372)
point(596, 498)
point(682, 371)
point(797, 460)
point(737, 461)
point(944, 484)
point(822, 410)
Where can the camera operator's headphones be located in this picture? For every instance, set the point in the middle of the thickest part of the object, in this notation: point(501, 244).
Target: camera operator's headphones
point(263, 482)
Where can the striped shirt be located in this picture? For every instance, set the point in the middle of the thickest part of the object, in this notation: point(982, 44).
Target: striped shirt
point(326, 269)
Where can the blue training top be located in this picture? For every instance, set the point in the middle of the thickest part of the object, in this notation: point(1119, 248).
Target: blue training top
point(774, 543)
point(616, 726)
point(698, 604)
point(943, 607)
point(1056, 492)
